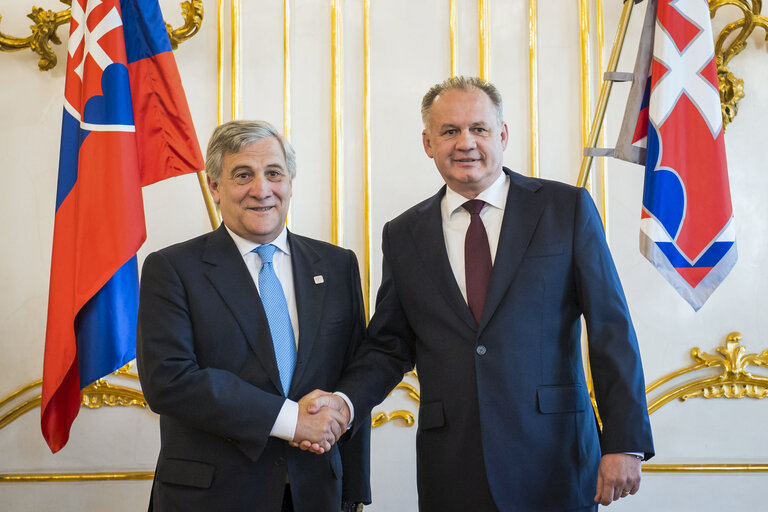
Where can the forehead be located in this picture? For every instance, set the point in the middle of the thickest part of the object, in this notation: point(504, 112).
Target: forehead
point(456, 106)
point(261, 153)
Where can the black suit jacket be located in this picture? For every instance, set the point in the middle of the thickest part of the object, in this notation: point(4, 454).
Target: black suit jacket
point(504, 404)
point(207, 366)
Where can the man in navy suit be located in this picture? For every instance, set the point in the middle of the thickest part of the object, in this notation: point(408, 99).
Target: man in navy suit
point(236, 325)
point(483, 289)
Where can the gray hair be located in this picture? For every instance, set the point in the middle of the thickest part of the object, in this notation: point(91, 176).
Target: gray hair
point(231, 137)
point(462, 83)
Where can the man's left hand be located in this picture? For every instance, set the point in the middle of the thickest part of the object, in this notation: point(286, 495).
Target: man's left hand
point(617, 477)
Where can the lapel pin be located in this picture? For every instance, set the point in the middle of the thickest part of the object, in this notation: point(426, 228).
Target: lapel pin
point(319, 280)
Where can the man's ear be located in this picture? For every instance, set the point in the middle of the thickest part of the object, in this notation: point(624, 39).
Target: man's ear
point(427, 144)
point(504, 136)
point(213, 186)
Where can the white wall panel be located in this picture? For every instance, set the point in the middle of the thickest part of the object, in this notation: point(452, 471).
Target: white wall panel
point(410, 51)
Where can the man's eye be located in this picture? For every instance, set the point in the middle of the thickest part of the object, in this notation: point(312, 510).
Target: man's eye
point(449, 132)
point(242, 178)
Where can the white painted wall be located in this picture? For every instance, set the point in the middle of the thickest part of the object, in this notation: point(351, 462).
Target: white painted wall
point(409, 53)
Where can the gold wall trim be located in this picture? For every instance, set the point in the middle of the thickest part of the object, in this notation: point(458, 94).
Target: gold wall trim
point(734, 381)
point(453, 27)
point(236, 63)
point(705, 468)
point(367, 169)
point(100, 393)
point(337, 127)
point(484, 33)
point(46, 23)
point(599, 16)
point(586, 77)
point(287, 69)
point(75, 477)
point(380, 418)
point(533, 71)
point(287, 86)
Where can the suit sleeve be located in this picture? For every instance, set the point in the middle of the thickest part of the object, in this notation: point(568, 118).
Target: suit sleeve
point(386, 354)
point(175, 385)
point(613, 351)
point(355, 447)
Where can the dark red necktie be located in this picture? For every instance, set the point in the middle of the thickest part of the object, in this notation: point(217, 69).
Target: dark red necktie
point(477, 259)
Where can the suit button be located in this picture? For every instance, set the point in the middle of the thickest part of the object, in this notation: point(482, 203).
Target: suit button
point(280, 461)
point(481, 350)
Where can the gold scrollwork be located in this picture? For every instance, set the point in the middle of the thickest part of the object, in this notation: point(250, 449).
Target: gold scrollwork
point(734, 380)
point(100, 393)
point(47, 22)
point(407, 417)
point(731, 87)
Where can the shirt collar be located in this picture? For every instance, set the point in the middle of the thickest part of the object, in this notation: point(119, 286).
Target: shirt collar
point(245, 246)
point(495, 195)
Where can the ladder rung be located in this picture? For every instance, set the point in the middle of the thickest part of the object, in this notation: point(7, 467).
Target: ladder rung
point(598, 151)
point(618, 76)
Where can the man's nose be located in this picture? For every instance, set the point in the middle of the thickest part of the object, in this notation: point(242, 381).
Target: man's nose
point(466, 141)
point(260, 187)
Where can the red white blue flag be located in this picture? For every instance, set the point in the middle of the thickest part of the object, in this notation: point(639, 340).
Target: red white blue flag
point(126, 124)
point(686, 227)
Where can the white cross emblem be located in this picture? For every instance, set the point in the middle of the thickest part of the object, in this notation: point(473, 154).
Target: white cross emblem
point(91, 37)
point(684, 68)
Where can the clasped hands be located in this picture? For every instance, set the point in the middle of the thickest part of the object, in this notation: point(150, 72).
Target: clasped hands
point(323, 419)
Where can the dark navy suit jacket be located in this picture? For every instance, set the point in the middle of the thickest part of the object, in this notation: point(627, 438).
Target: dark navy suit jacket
point(508, 396)
point(207, 366)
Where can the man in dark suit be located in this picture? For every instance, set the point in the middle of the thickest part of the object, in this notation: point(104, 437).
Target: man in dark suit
point(483, 289)
point(236, 325)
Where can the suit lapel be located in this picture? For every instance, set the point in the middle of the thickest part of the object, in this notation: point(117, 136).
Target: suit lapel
point(521, 215)
point(428, 239)
point(229, 275)
point(310, 295)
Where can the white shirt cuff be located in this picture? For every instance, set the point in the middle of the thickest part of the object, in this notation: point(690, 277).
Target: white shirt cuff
point(349, 404)
point(287, 419)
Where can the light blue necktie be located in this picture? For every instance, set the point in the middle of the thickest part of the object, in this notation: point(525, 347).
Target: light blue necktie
point(276, 307)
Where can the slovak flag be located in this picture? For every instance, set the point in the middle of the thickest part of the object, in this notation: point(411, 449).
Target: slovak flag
point(686, 227)
point(126, 124)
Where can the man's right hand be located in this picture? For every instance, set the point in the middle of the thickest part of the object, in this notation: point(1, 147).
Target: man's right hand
point(322, 421)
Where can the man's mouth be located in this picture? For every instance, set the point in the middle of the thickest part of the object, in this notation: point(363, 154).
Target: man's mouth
point(261, 208)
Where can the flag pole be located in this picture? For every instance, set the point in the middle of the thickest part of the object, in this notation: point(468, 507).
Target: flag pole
point(210, 207)
point(605, 92)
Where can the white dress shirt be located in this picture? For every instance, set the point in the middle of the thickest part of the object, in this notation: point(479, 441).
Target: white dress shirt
point(456, 222)
point(285, 424)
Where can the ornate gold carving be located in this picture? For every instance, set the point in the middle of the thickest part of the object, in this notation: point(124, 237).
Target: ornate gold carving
point(192, 12)
point(46, 23)
point(96, 395)
point(733, 382)
point(731, 87)
point(405, 416)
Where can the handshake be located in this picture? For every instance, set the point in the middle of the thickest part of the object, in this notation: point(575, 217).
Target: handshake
point(323, 419)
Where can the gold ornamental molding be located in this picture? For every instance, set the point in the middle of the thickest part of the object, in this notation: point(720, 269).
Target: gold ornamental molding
point(733, 381)
point(727, 47)
point(380, 418)
point(46, 23)
point(100, 393)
